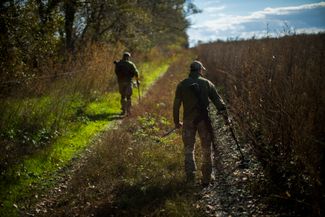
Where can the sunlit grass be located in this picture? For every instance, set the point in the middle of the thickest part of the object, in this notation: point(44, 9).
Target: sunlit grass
point(34, 171)
point(106, 104)
point(88, 119)
point(141, 171)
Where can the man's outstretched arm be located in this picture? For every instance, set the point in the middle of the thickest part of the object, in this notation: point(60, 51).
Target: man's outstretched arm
point(215, 98)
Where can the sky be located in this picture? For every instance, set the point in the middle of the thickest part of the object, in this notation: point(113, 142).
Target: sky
point(232, 19)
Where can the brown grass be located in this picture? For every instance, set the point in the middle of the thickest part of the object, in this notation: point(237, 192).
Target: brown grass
point(39, 107)
point(131, 170)
point(276, 91)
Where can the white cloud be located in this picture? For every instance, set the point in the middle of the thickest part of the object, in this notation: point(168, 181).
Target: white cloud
point(254, 24)
point(288, 10)
point(309, 30)
point(229, 21)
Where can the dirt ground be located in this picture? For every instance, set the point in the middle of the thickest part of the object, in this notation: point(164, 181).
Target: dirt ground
point(236, 191)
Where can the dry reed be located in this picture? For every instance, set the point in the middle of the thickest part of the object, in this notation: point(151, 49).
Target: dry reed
point(276, 91)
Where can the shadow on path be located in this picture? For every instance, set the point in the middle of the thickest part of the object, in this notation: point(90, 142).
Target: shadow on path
point(142, 200)
point(105, 116)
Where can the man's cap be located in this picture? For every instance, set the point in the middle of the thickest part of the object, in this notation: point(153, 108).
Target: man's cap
point(126, 54)
point(197, 66)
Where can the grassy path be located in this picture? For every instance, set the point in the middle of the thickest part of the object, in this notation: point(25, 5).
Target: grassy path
point(38, 172)
point(131, 170)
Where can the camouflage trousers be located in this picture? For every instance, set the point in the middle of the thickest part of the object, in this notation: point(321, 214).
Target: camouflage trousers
point(125, 90)
point(188, 136)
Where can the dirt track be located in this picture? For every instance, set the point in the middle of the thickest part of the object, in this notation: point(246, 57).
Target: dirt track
point(232, 193)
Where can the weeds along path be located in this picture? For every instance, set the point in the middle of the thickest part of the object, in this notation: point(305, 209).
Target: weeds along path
point(130, 170)
point(238, 189)
point(21, 184)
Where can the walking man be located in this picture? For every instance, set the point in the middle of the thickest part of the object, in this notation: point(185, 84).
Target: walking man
point(195, 93)
point(125, 70)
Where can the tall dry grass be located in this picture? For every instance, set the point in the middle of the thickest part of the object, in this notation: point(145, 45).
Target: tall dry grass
point(40, 107)
point(91, 69)
point(131, 170)
point(275, 89)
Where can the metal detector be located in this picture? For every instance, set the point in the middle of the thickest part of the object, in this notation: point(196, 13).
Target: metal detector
point(244, 162)
point(138, 85)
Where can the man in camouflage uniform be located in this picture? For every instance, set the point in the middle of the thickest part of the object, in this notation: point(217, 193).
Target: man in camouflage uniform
point(194, 93)
point(125, 70)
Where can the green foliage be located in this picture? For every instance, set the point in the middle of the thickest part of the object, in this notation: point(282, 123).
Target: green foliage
point(141, 173)
point(36, 36)
point(106, 104)
point(56, 129)
point(180, 206)
point(27, 44)
point(28, 176)
point(151, 72)
point(132, 164)
point(147, 174)
point(35, 121)
point(139, 25)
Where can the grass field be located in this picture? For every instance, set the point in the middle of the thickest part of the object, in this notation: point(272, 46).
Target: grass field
point(275, 91)
point(82, 121)
point(132, 170)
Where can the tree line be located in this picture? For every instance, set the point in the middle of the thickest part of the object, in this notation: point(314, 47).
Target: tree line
point(34, 33)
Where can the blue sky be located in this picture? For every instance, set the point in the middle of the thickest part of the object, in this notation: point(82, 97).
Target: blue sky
point(224, 19)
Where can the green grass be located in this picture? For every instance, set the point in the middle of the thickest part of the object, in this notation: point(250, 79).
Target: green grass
point(31, 173)
point(150, 73)
point(145, 170)
point(21, 181)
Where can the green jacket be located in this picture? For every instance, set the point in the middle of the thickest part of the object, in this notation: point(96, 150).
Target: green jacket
point(125, 70)
point(186, 96)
